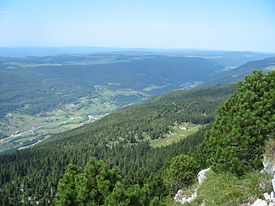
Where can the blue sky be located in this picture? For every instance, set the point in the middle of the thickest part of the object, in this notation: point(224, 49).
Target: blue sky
point(246, 25)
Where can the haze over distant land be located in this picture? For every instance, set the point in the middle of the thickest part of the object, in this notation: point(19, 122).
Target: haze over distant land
point(83, 50)
point(247, 25)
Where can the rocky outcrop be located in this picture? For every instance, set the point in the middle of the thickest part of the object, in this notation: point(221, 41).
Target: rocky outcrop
point(202, 176)
point(181, 198)
point(269, 167)
point(260, 202)
point(269, 199)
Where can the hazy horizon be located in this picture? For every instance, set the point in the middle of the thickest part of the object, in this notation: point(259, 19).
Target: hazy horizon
point(135, 49)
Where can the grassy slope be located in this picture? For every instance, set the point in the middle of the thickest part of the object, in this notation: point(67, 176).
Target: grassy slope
point(175, 136)
point(228, 190)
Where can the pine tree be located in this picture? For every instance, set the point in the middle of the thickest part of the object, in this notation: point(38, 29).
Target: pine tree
point(180, 172)
point(66, 193)
point(243, 123)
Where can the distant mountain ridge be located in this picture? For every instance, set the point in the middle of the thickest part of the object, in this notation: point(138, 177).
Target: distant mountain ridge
point(237, 74)
point(224, 58)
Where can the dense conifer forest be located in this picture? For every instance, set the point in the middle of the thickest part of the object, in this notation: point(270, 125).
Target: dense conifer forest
point(234, 144)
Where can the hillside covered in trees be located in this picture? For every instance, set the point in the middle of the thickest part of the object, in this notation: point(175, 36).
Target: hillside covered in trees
point(233, 148)
point(120, 139)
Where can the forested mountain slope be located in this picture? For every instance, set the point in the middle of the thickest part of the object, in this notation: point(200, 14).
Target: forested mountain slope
point(121, 138)
point(235, 149)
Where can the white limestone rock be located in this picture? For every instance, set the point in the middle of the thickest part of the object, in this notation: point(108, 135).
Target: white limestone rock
point(267, 197)
point(260, 202)
point(268, 166)
point(180, 199)
point(201, 175)
point(273, 183)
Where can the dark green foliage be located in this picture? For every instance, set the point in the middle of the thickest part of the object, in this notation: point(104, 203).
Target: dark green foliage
point(37, 170)
point(180, 172)
point(88, 186)
point(97, 185)
point(154, 180)
point(67, 192)
point(243, 123)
